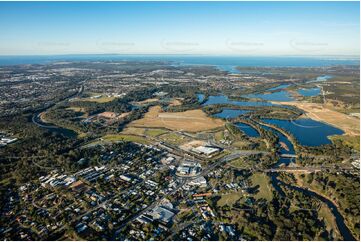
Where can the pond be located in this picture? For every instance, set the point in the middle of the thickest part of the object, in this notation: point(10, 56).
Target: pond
point(309, 92)
point(230, 113)
point(248, 130)
point(307, 131)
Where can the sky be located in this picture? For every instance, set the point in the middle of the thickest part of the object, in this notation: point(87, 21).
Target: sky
point(205, 28)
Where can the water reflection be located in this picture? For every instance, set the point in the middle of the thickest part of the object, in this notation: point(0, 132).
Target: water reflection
point(307, 131)
point(248, 130)
point(309, 92)
point(230, 113)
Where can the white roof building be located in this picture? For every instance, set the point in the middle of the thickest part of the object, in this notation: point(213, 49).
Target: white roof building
point(200, 181)
point(206, 150)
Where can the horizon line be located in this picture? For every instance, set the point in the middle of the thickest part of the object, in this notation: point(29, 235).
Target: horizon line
point(177, 54)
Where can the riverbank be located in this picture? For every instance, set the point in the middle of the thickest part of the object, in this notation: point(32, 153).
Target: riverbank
point(349, 124)
point(38, 121)
point(301, 183)
point(339, 218)
point(290, 138)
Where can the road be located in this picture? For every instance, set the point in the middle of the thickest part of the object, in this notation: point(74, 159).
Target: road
point(185, 179)
point(228, 158)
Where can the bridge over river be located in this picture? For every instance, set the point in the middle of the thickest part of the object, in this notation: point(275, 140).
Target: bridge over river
point(288, 156)
point(294, 169)
point(307, 169)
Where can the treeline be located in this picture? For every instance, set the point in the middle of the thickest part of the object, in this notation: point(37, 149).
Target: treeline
point(276, 220)
point(38, 151)
point(275, 112)
point(121, 105)
point(134, 115)
point(268, 135)
point(335, 153)
point(188, 93)
point(117, 106)
point(343, 188)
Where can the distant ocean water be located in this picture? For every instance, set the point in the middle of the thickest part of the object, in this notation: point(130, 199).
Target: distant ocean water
point(227, 63)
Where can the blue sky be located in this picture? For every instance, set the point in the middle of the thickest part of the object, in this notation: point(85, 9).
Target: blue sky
point(216, 28)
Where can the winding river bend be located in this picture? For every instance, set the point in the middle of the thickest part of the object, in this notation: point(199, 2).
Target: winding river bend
point(345, 232)
point(36, 118)
point(321, 130)
point(340, 221)
point(66, 132)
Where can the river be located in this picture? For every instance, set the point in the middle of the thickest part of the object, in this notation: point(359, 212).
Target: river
point(314, 133)
point(276, 183)
point(51, 127)
point(65, 132)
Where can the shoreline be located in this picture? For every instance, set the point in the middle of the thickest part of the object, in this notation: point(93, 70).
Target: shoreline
point(300, 183)
point(348, 124)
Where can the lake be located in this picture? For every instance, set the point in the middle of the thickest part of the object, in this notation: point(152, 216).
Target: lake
point(230, 113)
point(282, 96)
point(308, 132)
point(309, 92)
point(248, 130)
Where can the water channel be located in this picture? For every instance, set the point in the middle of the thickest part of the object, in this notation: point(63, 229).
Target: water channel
point(307, 131)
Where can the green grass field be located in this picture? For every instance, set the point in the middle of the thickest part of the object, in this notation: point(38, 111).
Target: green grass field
point(101, 99)
point(325, 213)
point(265, 189)
point(126, 137)
point(229, 199)
point(173, 138)
point(351, 141)
point(155, 132)
point(239, 163)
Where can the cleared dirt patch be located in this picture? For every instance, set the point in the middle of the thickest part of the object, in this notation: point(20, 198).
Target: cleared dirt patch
point(123, 115)
point(191, 121)
point(135, 131)
point(175, 102)
point(149, 100)
point(192, 144)
point(101, 99)
point(174, 138)
point(349, 124)
point(76, 109)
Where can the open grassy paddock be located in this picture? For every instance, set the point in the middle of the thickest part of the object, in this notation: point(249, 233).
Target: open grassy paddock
point(229, 199)
point(117, 137)
point(190, 121)
point(265, 189)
